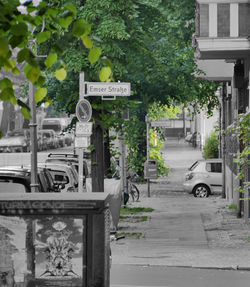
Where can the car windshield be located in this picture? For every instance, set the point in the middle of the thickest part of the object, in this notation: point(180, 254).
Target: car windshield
point(9, 186)
point(194, 165)
point(55, 127)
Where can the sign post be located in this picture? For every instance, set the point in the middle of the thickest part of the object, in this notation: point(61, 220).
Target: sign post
point(83, 129)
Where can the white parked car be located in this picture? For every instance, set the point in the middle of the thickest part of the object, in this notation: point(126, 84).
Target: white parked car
point(204, 178)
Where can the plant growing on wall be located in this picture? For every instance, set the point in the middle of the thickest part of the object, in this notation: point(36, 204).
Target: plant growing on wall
point(211, 147)
point(242, 157)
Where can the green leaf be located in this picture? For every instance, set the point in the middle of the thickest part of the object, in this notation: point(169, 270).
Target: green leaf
point(40, 82)
point(20, 29)
point(61, 74)
point(23, 55)
point(87, 42)
point(6, 94)
point(15, 71)
point(51, 59)
point(65, 22)
point(25, 112)
point(48, 102)
point(13, 100)
point(94, 55)
point(16, 41)
point(80, 28)
point(43, 37)
point(1, 134)
point(4, 47)
point(26, 55)
point(40, 94)
point(5, 83)
point(105, 74)
point(71, 8)
point(33, 74)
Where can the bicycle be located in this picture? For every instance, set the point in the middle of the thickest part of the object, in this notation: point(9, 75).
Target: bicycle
point(133, 191)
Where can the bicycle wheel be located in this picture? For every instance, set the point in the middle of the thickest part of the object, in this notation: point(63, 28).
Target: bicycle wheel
point(134, 192)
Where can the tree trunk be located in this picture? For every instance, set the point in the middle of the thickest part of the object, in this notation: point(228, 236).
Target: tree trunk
point(97, 166)
point(5, 117)
point(107, 155)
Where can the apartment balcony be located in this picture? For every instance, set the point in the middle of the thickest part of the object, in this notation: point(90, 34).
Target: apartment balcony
point(222, 29)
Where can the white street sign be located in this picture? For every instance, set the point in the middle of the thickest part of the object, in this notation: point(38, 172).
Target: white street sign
point(108, 89)
point(83, 110)
point(84, 128)
point(162, 124)
point(82, 142)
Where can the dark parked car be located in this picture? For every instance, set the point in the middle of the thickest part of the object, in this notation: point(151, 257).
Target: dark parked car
point(17, 179)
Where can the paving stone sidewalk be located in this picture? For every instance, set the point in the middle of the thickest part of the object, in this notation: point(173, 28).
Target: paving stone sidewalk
point(183, 230)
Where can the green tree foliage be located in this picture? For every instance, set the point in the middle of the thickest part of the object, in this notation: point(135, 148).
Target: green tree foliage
point(150, 45)
point(22, 29)
point(211, 147)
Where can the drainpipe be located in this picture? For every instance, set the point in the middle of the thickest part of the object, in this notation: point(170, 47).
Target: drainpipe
point(223, 126)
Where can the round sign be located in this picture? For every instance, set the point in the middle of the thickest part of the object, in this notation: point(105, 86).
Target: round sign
point(83, 110)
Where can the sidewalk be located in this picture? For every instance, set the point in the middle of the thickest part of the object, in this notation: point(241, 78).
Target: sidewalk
point(182, 230)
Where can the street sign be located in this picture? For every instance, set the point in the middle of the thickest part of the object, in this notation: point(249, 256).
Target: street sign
point(108, 89)
point(161, 124)
point(82, 142)
point(84, 128)
point(83, 110)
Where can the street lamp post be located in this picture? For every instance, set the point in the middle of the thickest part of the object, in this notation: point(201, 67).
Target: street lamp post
point(33, 137)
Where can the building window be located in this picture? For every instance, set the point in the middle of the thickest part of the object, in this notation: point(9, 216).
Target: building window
point(223, 16)
point(204, 24)
point(244, 19)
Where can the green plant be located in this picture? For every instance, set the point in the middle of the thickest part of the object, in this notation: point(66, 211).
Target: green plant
point(135, 210)
point(242, 158)
point(144, 218)
point(232, 207)
point(211, 147)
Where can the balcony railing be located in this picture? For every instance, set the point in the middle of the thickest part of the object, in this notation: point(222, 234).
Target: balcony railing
point(223, 20)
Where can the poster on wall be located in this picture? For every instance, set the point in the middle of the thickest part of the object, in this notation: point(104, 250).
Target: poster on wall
point(13, 257)
point(59, 248)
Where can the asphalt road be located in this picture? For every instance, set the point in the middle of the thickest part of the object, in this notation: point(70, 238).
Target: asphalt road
point(153, 276)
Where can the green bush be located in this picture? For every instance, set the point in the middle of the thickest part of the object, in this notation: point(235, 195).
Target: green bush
point(211, 147)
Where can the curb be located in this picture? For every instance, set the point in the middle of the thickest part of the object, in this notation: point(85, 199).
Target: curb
point(226, 268)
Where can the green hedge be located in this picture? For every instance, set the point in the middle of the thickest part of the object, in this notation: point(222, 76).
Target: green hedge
point(211, 147)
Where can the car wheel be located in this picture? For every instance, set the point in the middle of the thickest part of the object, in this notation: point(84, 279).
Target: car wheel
point(201, 190)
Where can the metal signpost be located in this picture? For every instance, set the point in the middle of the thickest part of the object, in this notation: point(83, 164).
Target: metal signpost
point(83, 129)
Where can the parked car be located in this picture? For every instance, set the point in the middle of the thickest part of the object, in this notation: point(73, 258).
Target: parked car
point(18, 179)
point(64, 175)
point(16, 141)
point(50, 139)
point(69, 158)
point(57, 125)
point(204, 178)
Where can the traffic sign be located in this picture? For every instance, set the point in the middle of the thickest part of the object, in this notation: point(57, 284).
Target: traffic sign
point(84, 128)
point(83, 110)
point(82, 142)
point(108, 89)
